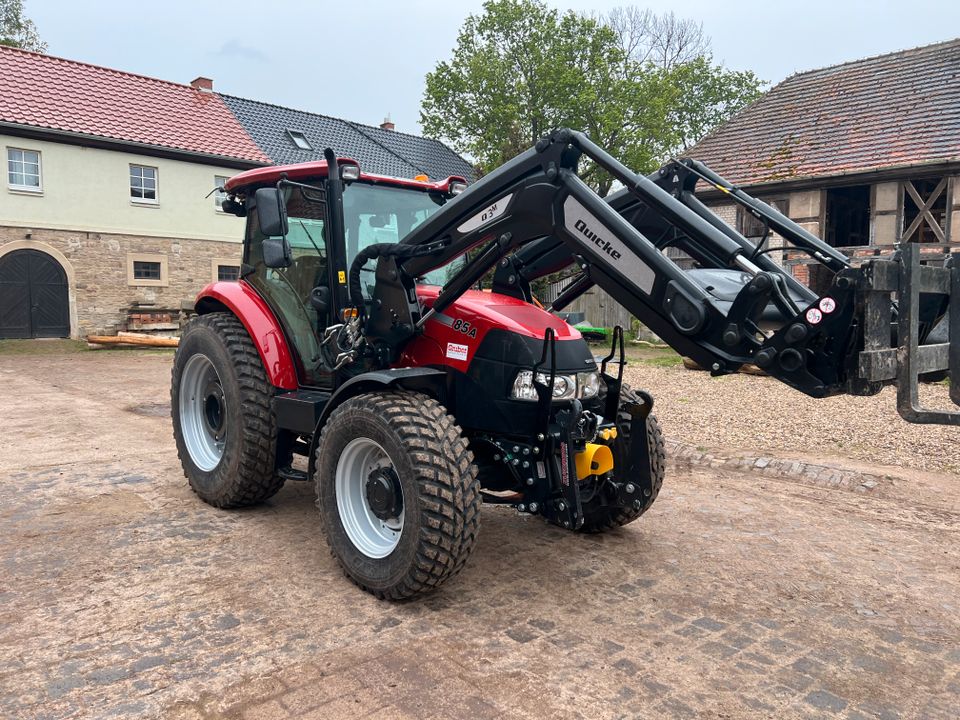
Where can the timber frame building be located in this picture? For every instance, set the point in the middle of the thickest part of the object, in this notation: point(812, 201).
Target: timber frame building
point(865, 155)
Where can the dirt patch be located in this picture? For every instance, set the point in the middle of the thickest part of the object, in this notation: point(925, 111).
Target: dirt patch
point(156, 409)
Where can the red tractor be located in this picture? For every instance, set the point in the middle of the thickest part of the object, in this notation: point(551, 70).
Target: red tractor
point(414, 392)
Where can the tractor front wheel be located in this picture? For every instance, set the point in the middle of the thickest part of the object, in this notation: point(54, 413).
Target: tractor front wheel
point(598, 516)
point(223, 422)
point(398, 493)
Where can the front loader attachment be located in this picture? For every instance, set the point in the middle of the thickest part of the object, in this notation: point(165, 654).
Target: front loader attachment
point(534, 215)
point(900, 356)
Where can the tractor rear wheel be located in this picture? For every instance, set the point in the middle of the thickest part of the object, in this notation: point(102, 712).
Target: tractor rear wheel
point(223, 421)
point(599, 517)
point(398, 493)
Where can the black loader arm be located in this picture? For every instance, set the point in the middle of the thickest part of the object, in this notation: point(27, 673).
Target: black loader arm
point(534, 215)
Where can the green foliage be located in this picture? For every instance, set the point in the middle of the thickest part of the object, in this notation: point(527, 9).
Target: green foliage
point(521, 69)
point(17, 30)
point(706, 96)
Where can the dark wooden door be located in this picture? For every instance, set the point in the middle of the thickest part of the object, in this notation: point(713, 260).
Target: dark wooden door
point(34, 299)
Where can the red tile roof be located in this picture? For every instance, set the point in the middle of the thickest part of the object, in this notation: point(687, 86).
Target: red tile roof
point(901, 109)
point(49, 92)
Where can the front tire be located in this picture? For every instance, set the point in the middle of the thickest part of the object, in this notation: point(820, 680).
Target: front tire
point(398, 493)
point(223, 420)
point(599, 517)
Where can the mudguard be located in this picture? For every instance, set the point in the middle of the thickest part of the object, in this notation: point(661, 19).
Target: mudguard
point(262, 325)
point(411, 378)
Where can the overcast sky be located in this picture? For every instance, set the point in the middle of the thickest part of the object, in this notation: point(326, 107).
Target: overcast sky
point(363, 59)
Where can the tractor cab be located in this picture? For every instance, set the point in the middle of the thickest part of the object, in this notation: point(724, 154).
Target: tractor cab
point(303, 232)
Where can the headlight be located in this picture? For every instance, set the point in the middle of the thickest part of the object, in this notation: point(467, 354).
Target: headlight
point(589, 384)
point(565, 387)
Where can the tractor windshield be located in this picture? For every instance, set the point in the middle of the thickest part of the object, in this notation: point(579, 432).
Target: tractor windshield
point(385, 214)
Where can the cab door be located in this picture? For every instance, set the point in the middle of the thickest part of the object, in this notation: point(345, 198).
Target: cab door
point(289, 290)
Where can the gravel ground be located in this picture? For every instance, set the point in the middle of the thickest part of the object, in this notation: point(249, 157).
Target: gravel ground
point(762, 415)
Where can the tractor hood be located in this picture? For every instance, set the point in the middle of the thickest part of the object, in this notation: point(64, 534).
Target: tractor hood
point(485, 311)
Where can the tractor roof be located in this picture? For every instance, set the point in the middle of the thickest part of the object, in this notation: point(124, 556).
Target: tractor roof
point(304, 171)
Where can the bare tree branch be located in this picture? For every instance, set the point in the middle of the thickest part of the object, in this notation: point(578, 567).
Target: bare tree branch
point(664, 40)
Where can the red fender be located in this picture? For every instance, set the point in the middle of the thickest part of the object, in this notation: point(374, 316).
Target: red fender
point(260, 322)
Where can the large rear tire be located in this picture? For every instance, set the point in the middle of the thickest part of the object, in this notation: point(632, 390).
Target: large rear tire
point(398, 493)
point(223, 420)
point(599, 517)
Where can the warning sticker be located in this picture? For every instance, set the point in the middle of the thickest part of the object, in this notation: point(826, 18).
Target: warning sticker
point(828, 305)
point(456, 351)
point(814, 316)
point(342, 277)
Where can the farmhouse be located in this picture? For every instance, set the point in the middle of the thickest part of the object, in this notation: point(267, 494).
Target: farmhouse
point(109, 218)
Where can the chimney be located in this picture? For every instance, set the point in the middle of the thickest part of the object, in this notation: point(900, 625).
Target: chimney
point(387, 124)
point(202, 83)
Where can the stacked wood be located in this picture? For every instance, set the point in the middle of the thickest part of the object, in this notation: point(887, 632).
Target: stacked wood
point(129, 338)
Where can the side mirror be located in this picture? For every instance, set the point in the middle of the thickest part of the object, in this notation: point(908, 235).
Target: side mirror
point(271, 212)
point(320, 299)
point(276, 253)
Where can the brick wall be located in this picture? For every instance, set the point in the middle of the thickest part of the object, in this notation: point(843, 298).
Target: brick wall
point(100, 288)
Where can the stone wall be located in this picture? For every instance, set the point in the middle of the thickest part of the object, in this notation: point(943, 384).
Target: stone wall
point(101, 292)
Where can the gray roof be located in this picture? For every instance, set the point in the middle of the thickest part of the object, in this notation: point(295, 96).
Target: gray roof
point(383, 152)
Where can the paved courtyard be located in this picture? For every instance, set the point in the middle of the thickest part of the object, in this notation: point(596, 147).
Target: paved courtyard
point(741, 594)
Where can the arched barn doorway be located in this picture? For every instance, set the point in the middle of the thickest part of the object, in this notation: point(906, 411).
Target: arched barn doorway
point(34, 296)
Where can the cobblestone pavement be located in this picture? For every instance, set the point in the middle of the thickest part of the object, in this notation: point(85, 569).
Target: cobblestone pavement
point(741, 594)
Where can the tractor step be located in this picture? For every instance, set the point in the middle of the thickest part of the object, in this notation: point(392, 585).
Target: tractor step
point(289, 473)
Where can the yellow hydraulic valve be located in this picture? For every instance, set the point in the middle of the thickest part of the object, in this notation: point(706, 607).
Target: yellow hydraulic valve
point(595, 460)
point(608, 434)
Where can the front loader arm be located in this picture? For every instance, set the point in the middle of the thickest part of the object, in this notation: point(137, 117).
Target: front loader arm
point(823, 349)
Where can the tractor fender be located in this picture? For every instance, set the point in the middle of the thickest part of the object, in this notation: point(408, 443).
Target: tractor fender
point(261, 324)
point(422, 379)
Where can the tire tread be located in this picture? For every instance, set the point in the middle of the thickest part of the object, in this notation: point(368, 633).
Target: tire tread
point(447, 482)
point(256, 479)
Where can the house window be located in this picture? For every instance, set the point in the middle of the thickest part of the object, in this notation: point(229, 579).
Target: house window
point(147, 270)
point(228, 273)
point(754, 228)
point(143, 184)
point(848, 216)
point(23, 170)
point(219, 197)
point(299, 139)
point(225, 269)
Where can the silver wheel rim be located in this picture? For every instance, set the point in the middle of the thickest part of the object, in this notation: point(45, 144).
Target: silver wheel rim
point(203, 412)
point(374, 537)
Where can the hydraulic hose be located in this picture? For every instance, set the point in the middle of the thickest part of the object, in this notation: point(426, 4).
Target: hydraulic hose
point(372, 252)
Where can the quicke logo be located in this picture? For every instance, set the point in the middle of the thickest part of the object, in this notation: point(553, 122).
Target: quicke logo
point(596, 239)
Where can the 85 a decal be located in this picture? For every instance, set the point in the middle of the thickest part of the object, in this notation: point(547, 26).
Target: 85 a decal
point(465, 328)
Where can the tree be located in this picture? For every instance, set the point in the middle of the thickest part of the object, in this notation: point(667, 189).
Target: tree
point(707, 95)
point(639, 84)
point(521, 69)
point(17, 30)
